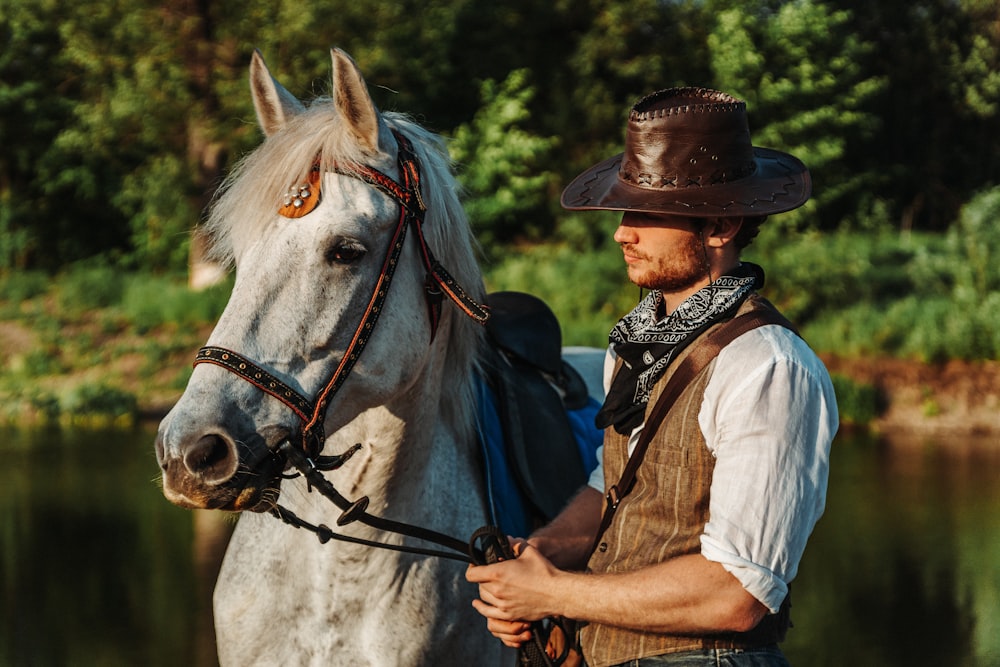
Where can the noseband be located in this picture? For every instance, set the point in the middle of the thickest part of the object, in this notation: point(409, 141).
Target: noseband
point(437, 284)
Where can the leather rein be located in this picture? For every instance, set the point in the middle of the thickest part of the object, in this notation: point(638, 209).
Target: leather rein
point(306, 458)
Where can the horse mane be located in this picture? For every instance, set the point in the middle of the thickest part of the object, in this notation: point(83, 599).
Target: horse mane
point(248, 200)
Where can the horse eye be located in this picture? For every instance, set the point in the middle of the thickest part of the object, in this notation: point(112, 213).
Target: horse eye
point(345, 252)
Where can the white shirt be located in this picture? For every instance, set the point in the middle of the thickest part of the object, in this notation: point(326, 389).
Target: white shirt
point(768, 416)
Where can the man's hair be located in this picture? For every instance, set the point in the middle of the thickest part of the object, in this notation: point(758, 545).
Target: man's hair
point(748, 230)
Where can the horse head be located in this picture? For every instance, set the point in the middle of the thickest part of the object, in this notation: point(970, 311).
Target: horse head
point(311, 220)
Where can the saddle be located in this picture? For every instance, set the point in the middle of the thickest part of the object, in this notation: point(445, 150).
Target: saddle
point(542, 410)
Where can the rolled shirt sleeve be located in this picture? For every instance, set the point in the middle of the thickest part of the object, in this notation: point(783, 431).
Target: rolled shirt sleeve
point(769, 416)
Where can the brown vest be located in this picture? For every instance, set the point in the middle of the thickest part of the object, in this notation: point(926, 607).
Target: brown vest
point(662, 518)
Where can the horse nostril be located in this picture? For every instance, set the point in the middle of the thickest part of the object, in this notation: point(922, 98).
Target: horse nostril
point(211, 458)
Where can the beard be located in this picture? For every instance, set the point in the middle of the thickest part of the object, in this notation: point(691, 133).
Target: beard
point(679, 269)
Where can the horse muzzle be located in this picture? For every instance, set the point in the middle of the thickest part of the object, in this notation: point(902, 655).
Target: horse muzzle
point(213, 470)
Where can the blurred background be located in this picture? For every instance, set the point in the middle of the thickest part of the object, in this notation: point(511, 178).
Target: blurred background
point(118, 119)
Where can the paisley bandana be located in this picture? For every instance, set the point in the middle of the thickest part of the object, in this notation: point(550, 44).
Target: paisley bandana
point(647, 343)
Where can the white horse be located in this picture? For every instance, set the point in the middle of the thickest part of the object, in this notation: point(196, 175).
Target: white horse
point(307, 263)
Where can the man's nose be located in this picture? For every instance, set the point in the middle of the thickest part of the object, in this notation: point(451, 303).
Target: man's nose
point(625, 233)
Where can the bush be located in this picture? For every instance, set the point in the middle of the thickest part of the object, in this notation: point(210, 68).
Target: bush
point(859, 403)
point(974, 244)
point(89, 285)
point(38, 362)
point(811, 274)
point(99, 401)
point(587, 288)
point(153, 301)
point(20, 286)
point(20, 403)
point(852, 294)
point(922, 296)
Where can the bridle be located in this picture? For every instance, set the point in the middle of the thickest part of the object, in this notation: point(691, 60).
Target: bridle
point(438, 283)
point(488, 544)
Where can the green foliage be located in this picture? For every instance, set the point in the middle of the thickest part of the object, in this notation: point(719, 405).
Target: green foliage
point(500, 165)
point(20, 286)
point(118, 119)
point(917, 327)
point(89, 285)
point(624, 51)
point(155, 301)
point(38, 362)
point(584, 284)
point(930, 297)
point(35, 104)
point(800, 69)
point(99, 402)
point(859, 403)
point(160, 216)
point(974, 247)
point(937, 125)
point(811, 273)
point(95, 342)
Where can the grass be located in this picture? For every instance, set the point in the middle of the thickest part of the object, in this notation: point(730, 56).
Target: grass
point(98, 346)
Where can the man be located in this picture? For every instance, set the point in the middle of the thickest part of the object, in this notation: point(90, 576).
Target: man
point(697, 560)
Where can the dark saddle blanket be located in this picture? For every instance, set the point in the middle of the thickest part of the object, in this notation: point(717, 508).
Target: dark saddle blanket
point(536, 419)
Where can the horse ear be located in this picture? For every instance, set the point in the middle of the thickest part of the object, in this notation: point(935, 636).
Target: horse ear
point(274, 105)
point(353, 101)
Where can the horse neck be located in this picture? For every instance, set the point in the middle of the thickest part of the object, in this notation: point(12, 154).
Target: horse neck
point(417, 463)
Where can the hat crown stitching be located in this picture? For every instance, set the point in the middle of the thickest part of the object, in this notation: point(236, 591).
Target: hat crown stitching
point(697, 100)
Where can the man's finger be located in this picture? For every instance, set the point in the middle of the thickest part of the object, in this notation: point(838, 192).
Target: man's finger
point(519, 546)
point(489, 611)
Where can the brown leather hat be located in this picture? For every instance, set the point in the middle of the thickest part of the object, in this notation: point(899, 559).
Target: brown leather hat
point(688, 152)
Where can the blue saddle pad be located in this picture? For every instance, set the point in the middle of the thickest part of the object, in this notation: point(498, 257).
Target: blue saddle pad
point(506, 504)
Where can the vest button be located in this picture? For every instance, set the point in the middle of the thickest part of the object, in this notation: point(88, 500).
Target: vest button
point(603, 547)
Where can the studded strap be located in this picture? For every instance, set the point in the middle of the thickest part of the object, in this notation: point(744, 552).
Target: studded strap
point(411, 211)
point(257, 376)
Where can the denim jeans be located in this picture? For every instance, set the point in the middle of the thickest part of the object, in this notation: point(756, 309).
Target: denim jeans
point(770, 656)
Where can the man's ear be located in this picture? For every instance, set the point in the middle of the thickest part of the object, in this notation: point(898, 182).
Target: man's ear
point(721, 231)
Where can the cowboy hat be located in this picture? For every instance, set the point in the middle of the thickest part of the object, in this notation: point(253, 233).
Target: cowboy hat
point(688, 152)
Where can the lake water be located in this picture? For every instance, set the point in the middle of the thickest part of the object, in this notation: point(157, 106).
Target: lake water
point(96, 568)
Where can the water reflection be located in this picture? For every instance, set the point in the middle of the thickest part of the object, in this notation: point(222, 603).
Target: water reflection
point(97, 568)
point(904, 568)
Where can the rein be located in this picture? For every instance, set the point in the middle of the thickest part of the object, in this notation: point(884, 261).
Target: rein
point(358, 511)
point(306, 459)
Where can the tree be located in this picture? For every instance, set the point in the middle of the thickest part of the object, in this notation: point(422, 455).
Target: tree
point(36, 101)
point(500, 166)
point(624, 51)
point(940, 137)
point(117, 119)
point(799, 67)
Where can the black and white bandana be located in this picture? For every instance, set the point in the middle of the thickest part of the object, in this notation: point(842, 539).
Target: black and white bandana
point(647, 343)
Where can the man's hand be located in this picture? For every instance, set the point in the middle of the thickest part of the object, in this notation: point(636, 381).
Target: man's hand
point(513, 593)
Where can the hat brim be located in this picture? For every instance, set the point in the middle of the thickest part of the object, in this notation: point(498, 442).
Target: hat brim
point(780, 183)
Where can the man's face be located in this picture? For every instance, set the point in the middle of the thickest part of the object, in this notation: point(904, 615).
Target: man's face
point(663, 252)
